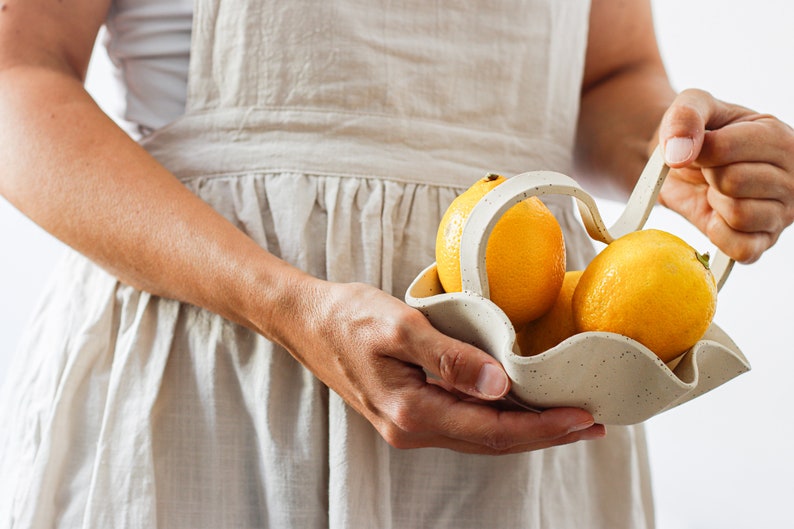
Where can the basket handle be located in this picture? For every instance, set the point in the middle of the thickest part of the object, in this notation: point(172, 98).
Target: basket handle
point(496, 202)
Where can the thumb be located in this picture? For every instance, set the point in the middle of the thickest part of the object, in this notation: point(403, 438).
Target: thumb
point(684, 125)
point(465, 368)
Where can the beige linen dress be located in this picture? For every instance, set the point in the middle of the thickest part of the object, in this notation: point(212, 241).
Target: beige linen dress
point(334, 133)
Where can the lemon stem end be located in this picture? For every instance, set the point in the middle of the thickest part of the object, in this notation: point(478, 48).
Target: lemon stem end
point(704, 259)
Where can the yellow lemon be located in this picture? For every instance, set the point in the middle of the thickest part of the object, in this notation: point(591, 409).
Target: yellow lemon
point(525, 256)
point(651, 286)
point(553, 327)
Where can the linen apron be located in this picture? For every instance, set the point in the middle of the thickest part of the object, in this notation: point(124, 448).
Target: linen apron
point(335, 134)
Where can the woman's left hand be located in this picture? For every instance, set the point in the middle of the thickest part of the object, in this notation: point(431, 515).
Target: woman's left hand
point(732, 172)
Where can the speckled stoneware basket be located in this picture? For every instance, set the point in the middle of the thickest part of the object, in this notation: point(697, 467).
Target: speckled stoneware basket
point(615, 378)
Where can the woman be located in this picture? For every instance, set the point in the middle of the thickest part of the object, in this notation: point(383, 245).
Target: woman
point(249, 255)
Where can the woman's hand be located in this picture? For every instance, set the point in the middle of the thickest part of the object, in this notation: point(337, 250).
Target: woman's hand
point(732, 172)
point(371, 349)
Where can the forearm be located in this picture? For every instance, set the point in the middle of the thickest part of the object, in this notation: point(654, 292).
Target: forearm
point(625, 92)
point(70, 169)
point(617, 128)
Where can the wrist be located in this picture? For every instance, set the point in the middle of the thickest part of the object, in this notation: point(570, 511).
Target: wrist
point(274, 298)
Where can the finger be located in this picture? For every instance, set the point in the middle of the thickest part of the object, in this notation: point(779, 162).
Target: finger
point(750, 180)
point(503, 404)
point(743, 247)
point(594, 432)
point(454, 391)
point(758, 138)
point(597, 431)
point(683, 126)
point(437, 413)
point(437, 418)
point(747, 215)
point(462, 366)
point(503, 430)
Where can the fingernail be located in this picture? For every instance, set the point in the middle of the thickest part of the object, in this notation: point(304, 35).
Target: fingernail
point(491, 382)
point(581, 426)
point(595, 432)
point(678, 150)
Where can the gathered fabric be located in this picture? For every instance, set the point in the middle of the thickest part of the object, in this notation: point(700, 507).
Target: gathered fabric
point(335, 134)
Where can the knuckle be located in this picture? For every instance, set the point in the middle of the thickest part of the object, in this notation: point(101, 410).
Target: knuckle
point(392, 332)
point(395, 437)
point(685, 111)
point(401, 328)
point(696, 93)
point(728, 181)
point(452, 365)
point(734, 216)
point(779, 128)
point(719, 147)
point(774, 125)
point(403, 428)
point(411, 320)
point(784, 132)
point(746, 251)
point(404, 417)
point(787, 219)
point(746, 255)
point(683, 119)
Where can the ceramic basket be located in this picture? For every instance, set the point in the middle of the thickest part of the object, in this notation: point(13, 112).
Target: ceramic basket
point(615, 378)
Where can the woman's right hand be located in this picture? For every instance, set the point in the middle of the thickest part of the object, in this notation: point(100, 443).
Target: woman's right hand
point(371, 348)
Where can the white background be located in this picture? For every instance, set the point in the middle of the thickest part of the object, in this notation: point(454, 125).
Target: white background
point(725, 460)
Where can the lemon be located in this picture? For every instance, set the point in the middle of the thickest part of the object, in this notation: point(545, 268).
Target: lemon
point(525, 255)
point(555, 325)
point(651, 286)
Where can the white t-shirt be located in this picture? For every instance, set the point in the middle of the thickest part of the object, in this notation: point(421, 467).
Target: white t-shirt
point(149, 43)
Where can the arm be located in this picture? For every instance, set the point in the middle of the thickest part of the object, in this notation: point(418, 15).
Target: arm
point(70, 169)
point(732, 170)
point(625, 92)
